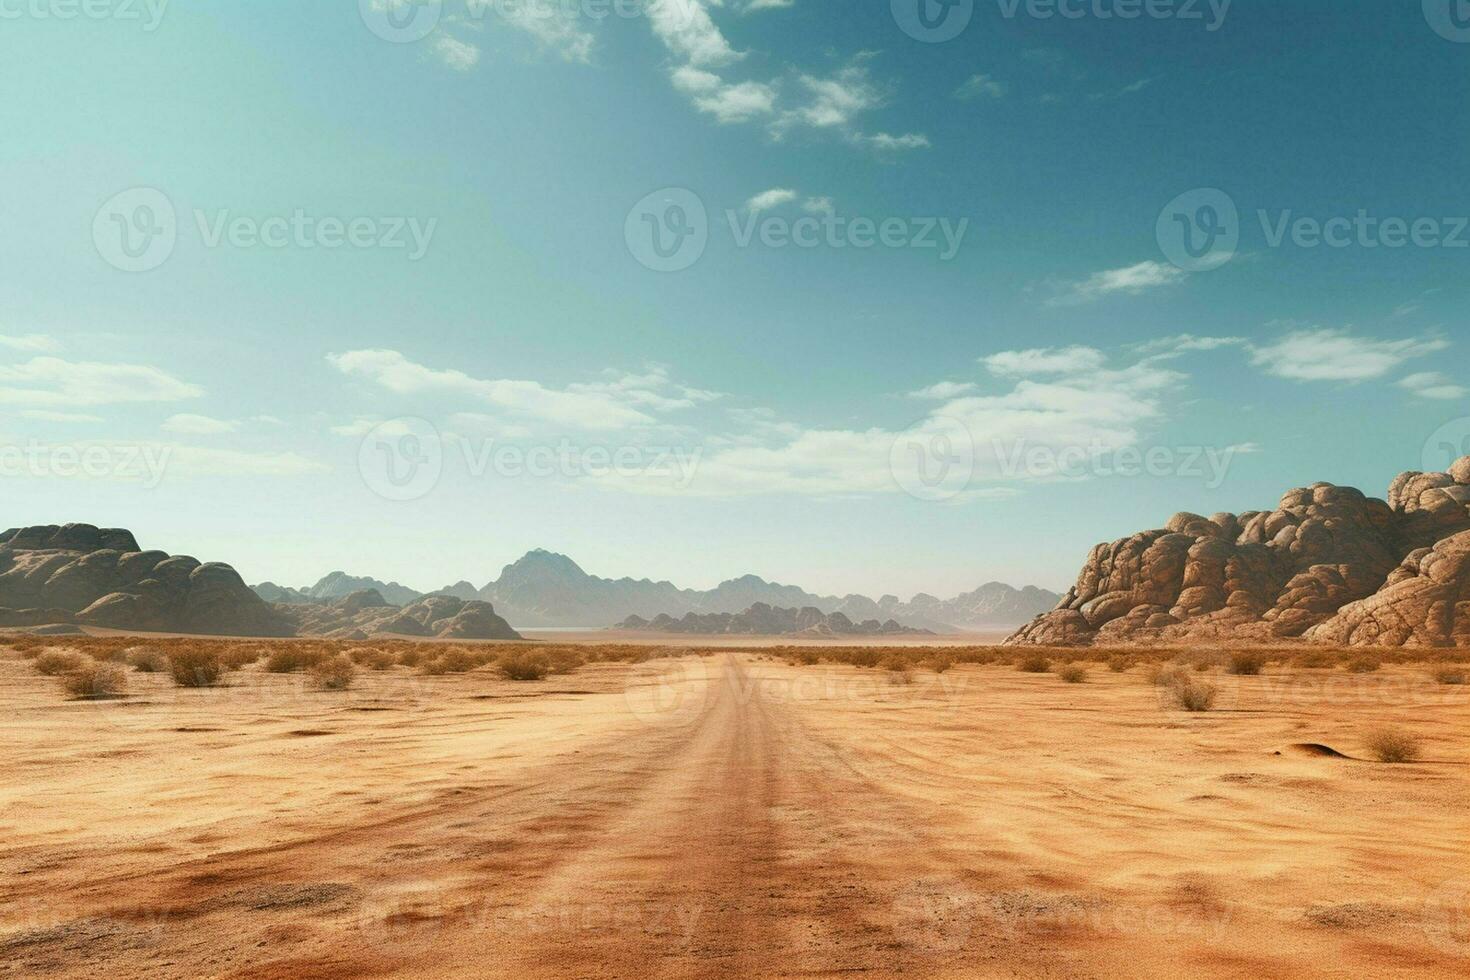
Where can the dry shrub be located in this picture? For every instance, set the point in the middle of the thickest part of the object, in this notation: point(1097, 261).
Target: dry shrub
point(96, 682)
point(563, 660)
point(523, 666)
point(380, 660)
point(235, 657)
point(1392, 745)
point(1073, 673)
point(1033, 664)
point(939, 663)
point(1363, 665)
point(333, 674)
point(55, 662)
point(1245, 663)
point(1316, 658)
point(146, 661)
point(289, 658)
point(1449, 675)
point(1193, 695)
point(411, 657)
point(455, 660)
point(1119, 663)
point(197, 666)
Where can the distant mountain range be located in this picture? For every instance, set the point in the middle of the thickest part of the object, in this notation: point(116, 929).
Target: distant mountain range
point(763, 620)
point(544, 589)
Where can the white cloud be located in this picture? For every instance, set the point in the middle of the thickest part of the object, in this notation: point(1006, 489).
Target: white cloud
point(980, 87)
point(1185, 343)
point(728, 103)
point(618, 402)
point(198, 425)
point(687, 30)
point(819, 205)
point(457, 54)
point(44, 415)
point(1336, 355)
point(835, 101)
point(887, 141)
point(752, 6)
point(1130, 280)
point(773, 198)
point(1435, 386)
point(555, 25)
point(54, 382)
point(31, 343)
point(1043, 361)
point(943, 391)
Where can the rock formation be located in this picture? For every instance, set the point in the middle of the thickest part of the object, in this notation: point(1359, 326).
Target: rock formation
point(764, 620)
point(92, 576)
point(366, 613)
point(1329, 564)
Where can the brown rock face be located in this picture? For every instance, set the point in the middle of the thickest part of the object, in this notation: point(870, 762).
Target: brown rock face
point(99, 577)
point(1328, 564)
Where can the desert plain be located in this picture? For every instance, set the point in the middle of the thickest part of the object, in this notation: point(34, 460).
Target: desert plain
point(735, 812)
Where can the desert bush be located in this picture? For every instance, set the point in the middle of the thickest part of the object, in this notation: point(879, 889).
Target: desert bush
point(1449, 675)
point(195, 666)
point(1119, 663)
point(1363, 665)
point(1392, 745)
point(55, 662)
point(523, 666)
point(1073, 673)
point(380, 660)
point(333, 674)
point(411, 657)
point(1245, 663)
point(1033, 664)
point(939, 663)
point(563, 660)
point(455, 660)
point(289, 658)
point(234, 656)
point(1193, 695)
point(95, 681)
point(1316, 658)
point(147, 661)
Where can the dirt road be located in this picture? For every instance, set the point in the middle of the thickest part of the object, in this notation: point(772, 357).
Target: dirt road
point(725, 816)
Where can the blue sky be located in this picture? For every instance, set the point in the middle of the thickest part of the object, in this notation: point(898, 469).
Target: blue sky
point(262, 391)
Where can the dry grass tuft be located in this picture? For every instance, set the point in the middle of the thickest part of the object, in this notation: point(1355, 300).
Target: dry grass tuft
point(196, 666)
point(1033, 664)
point(1363, 665)
point(1119, 663)
point(55, 662)
point(1392, 745)
point(146, 661)
point(95, 681)
point(1449, 675)
point(1243, 663)
point(1073, 673)
point(1193, 695)
point(333, 674)
point(235, 657)
point(524, 666)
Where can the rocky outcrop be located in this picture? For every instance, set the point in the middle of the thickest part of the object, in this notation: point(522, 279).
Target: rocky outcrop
point(100, 577)
point(765, 620)
point(366, 613)
point(1328, 564)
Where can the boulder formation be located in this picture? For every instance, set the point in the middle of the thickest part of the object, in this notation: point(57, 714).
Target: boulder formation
point(366, 613)
point(92, 576)
point(1329, 565)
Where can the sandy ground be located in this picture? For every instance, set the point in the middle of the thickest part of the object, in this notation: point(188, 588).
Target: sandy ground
point(706, 641)
point(732, 816)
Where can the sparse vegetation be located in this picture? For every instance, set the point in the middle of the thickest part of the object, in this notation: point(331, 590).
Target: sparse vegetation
point(94, 681)
point(235, 657)
point(1316, 658)
point(196, 666)
point(1033, 663)
point(287, 658)
point(54, 663)
point(1363, 665)
point(1119, 663)
point(1392, 745)
point(1450, 675)
point(1073, 673)
point(1193, 695)
point(333, 674)
point(146, 660)
point(1245, 663)
point(523, 666)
